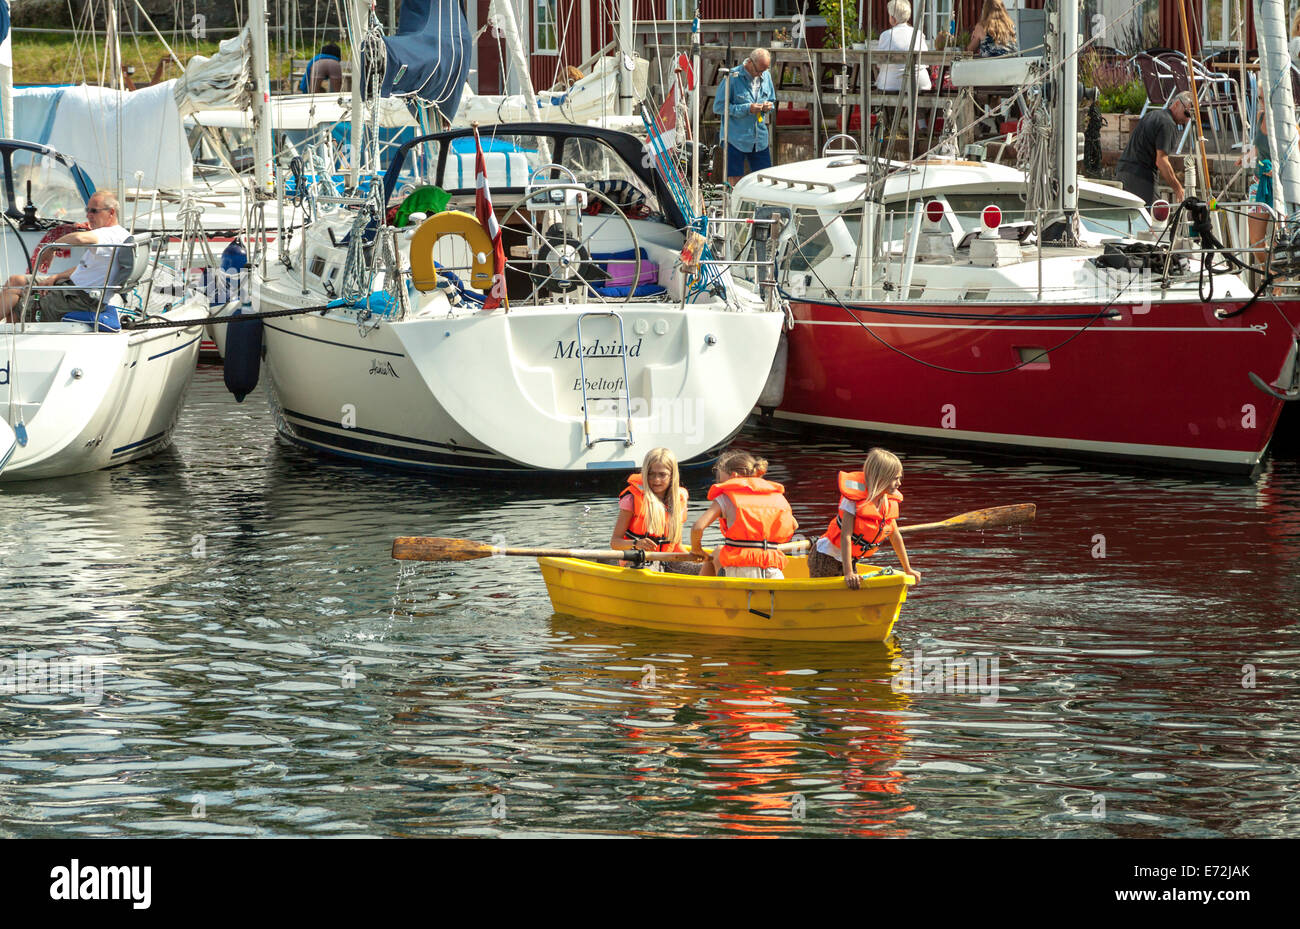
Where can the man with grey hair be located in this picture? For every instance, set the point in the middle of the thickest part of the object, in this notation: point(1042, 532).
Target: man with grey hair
point(750, 102)
point(1147, 152)
point(899, 38)
point(90, 272)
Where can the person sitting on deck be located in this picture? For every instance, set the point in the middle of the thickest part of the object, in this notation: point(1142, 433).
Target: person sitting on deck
point(755, 518)
point(652, 511)
point(90, 273)
point(995, 33)
point(325, 67)
point(898, 38)
point(869, 502)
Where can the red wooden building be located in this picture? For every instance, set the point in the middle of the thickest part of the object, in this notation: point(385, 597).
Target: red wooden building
point(559, 33)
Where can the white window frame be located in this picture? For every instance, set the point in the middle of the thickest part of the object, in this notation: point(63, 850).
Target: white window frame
point(938, 17)
point(1225, 37)
point(537, 23)
point(679, 11)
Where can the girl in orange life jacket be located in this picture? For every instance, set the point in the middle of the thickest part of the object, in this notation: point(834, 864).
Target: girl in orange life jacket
point(652, 521)
point(869, 502)
point(754, 517)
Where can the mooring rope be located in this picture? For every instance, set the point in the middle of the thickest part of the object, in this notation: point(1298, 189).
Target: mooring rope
point(128, 323)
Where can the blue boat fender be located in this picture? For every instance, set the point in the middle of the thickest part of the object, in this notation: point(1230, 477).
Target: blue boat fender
point(243, 359)
point(234, 259)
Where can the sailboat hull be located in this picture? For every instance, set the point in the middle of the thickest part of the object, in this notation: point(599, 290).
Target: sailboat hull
point(503, 392)
point(94, 400)
point(1166, 382)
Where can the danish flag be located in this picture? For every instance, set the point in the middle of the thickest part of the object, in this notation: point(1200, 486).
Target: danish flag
point(488, 220)
point(668, 119)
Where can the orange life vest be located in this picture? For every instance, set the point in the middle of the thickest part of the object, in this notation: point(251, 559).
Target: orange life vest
point(636, 529)
point(763, 520)
point(871, 527)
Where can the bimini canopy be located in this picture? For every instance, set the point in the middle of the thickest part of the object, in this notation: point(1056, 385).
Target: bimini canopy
point(428, 59)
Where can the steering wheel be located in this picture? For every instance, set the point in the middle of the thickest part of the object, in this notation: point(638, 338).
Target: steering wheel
point(533, 174)
point(564, 255)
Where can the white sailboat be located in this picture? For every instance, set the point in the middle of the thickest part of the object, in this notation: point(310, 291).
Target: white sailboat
point(602, 348)
point(80, 396)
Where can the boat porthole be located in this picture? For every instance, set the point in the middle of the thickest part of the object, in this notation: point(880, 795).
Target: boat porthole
point(661, 326)
point(641, 327)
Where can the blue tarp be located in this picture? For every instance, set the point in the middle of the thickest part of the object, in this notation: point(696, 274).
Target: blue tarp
point(429, 57)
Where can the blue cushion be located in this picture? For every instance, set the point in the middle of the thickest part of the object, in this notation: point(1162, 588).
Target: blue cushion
point(108, 319)
point(380, 303)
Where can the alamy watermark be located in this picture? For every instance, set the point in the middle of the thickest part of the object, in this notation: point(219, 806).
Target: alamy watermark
point(947, 675)
point(78, 675)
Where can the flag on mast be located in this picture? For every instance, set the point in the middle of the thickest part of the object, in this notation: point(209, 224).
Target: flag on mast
point(488, 220)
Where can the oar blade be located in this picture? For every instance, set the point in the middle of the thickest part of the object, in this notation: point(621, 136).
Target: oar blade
point(428, 548)
point(1013, 515)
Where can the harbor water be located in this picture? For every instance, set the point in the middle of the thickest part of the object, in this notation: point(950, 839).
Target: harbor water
point(1129, 662)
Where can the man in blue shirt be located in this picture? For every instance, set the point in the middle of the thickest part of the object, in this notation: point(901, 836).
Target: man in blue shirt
point(751, 105)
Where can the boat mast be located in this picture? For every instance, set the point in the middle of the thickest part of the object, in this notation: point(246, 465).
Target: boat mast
point(358, 20)
point(1067, 112)
point(262, 153)
point(505, 10)
point(111, 39)
point(6, 82)
point(627, 58)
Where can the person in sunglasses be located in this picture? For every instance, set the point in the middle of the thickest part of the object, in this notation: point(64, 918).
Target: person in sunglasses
point(89, 273)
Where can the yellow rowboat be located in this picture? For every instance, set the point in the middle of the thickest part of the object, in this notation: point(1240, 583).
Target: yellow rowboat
point(797, 609)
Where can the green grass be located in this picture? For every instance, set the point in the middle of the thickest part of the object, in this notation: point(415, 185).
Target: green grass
point(49, 59)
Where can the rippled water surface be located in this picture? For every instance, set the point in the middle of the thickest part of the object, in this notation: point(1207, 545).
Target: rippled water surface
point(267, 671)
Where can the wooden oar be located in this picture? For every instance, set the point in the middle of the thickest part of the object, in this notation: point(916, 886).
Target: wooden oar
point(428, 548)
point(990, 518)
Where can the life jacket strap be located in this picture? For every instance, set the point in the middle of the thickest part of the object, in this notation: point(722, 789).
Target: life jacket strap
point(638, 536)
point(750, 543)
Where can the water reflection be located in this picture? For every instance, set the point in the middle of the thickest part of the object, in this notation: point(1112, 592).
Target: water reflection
point(266, 664)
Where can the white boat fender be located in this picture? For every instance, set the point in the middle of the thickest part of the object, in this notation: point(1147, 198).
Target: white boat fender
point(243, 359)
point(774, 390)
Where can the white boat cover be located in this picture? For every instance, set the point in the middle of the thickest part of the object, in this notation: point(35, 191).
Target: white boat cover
point(1275, 79)
point(590, 100)
point(307, 111)
point(83, 121)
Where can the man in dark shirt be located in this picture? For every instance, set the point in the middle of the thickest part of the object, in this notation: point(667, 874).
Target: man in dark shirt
point(1149, 147)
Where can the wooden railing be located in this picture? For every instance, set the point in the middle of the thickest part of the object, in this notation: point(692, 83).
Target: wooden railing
point(806, 78)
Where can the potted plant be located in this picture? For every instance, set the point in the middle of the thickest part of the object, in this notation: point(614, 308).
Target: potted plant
point(841, 15)
point(780, 37)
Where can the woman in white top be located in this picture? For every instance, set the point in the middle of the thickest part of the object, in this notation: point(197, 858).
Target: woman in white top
point(898, 38)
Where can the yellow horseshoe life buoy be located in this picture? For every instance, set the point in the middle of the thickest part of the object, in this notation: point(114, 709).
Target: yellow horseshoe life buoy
point(452, 222)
